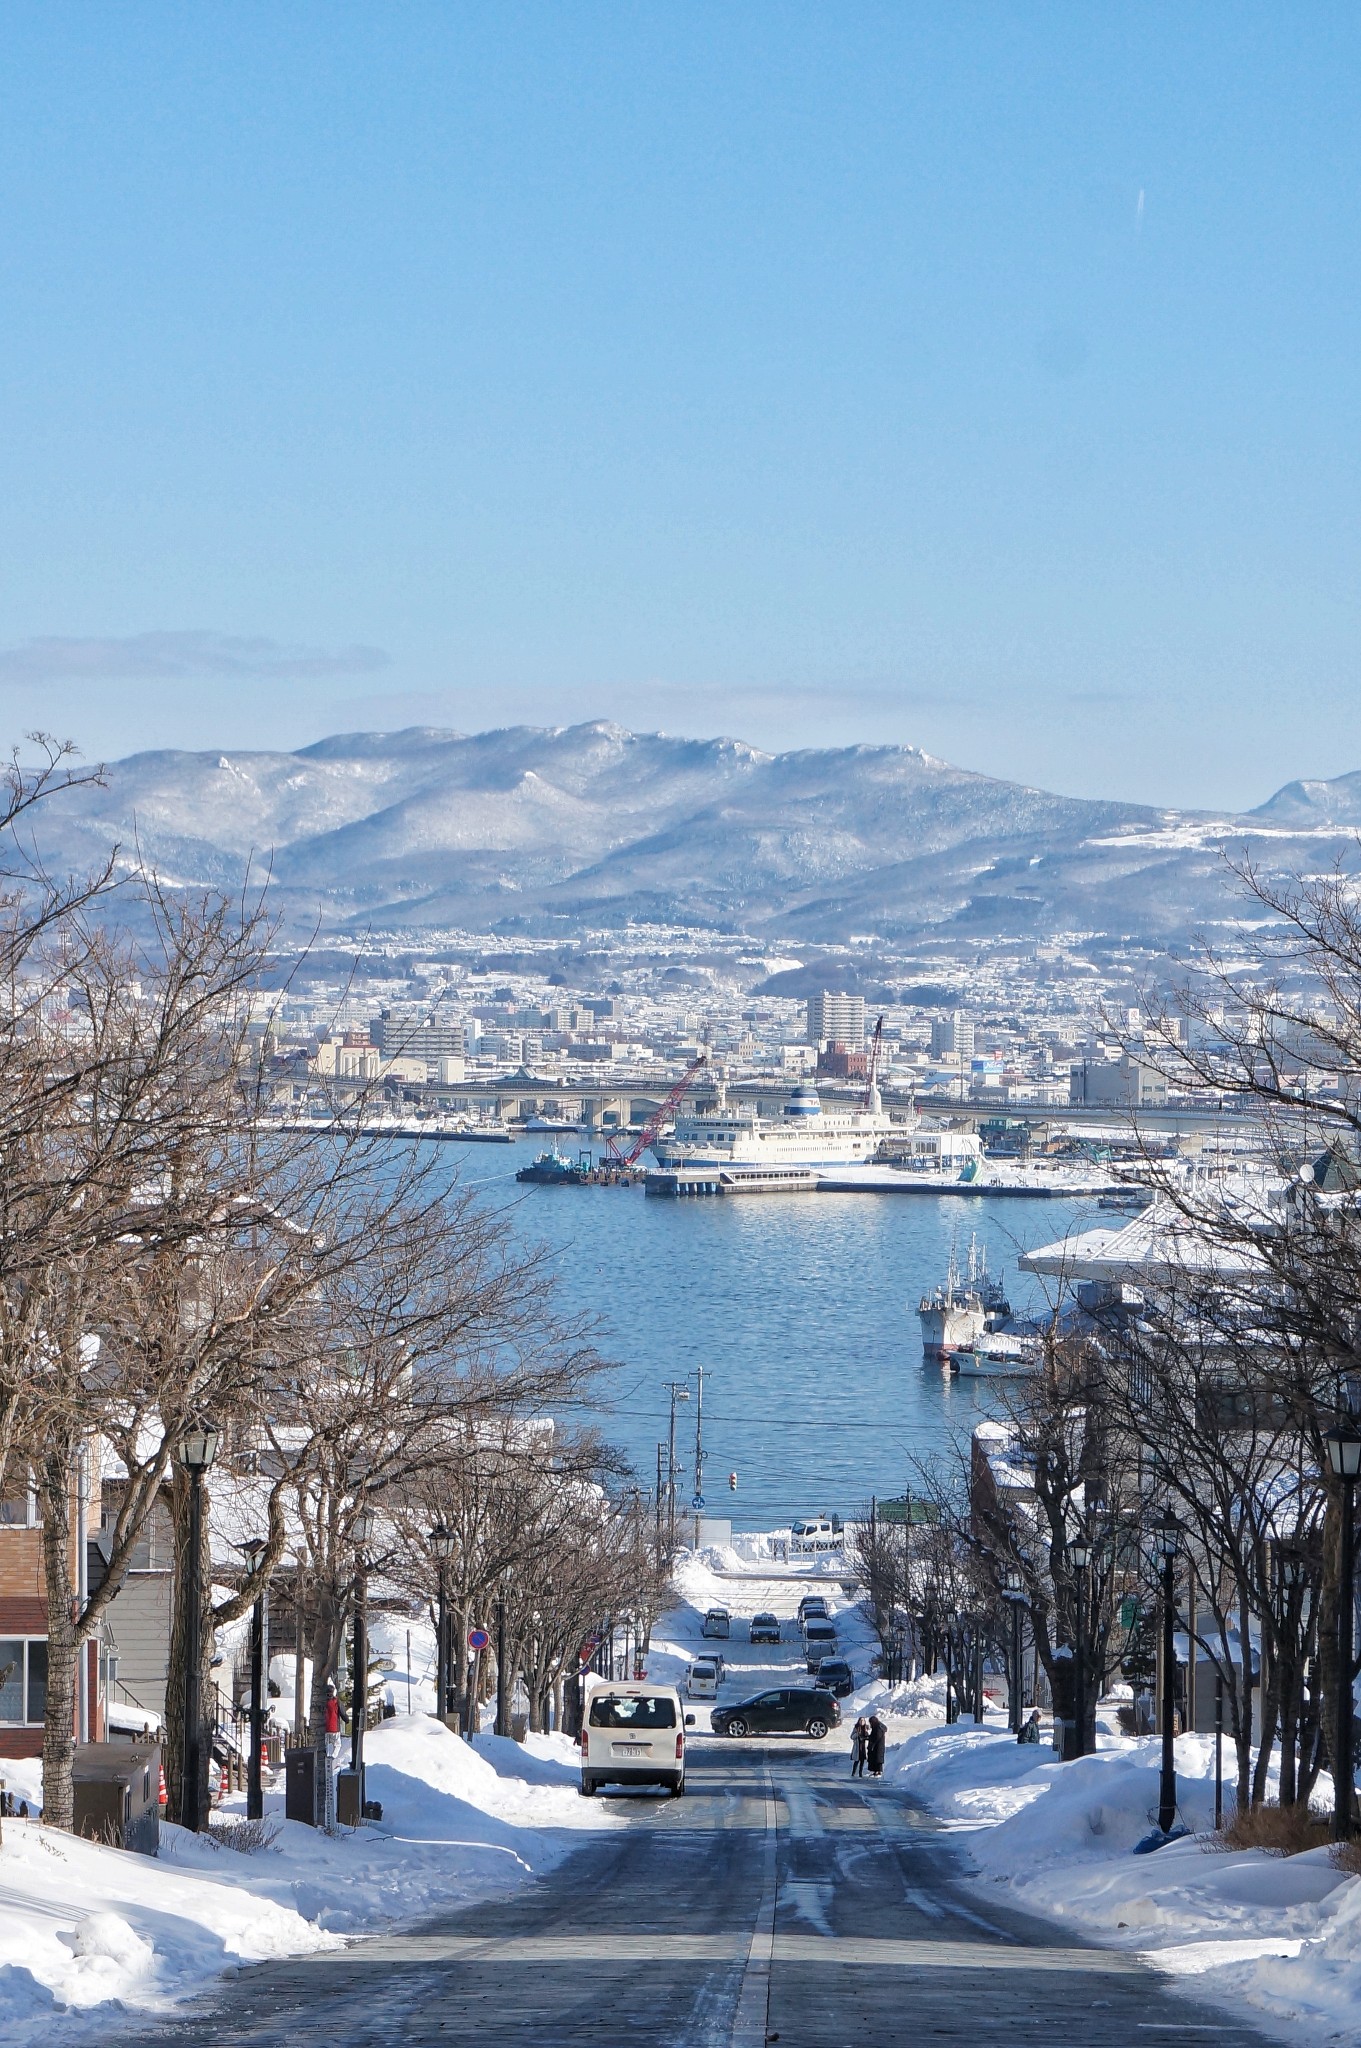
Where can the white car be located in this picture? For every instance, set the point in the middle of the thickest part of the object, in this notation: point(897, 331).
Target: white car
point(702, 1680)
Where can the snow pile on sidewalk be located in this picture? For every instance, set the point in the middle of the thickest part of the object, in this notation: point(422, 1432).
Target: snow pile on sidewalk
point(83, 1926)
point(1283, 1934)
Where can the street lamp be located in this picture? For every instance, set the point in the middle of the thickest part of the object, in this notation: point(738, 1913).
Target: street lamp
point(1079, 1557)
point(360, 1529)
point(1344, 1461)
point(1014, 1593)
point(442, 1549)
point(259, 1665)
point(196, 1450)
point(680, 1391)
point(1167, 1538)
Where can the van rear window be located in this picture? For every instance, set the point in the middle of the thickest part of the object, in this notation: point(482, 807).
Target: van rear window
point(618, 1710)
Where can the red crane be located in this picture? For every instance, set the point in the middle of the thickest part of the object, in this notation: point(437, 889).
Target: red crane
point(872, 1065)
point(613, 1148)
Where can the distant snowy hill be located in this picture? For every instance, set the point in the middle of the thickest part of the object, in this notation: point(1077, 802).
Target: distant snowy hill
point(544, 828)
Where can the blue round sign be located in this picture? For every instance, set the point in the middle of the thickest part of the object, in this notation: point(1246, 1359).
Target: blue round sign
point(697, 1500)
point(478, 1639)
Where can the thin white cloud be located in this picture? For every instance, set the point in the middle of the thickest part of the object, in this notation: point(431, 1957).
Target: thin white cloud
point(177, 657)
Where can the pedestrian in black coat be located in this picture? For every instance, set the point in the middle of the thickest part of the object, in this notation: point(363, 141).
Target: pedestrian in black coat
point(878, 1743)
point(860, 1736)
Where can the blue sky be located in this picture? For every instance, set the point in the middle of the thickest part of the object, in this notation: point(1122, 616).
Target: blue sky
point(983, 377)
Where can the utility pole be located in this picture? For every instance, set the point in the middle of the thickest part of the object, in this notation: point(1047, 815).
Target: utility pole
point(657, 1507)
point(700, 1376)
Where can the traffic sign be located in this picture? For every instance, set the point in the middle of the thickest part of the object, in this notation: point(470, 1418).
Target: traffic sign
point(478, 1639)
point(697, 1500)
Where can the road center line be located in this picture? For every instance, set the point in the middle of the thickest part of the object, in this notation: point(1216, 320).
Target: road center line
point(751, 2014)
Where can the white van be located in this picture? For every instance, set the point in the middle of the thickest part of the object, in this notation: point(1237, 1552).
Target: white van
point(632, 1735)
point(702, 1679)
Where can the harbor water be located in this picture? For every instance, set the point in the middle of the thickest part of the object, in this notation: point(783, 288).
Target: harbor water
point(803, 1308)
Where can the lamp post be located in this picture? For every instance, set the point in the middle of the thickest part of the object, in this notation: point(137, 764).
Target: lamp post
point(359, 1674)
point(259, 1665)
point(1167, 1536)
point(1014, 1593)
point(441, 1549)
point(1344, 1460)
point(679, 1391)
point(197, 1450)
point(1079, 1557)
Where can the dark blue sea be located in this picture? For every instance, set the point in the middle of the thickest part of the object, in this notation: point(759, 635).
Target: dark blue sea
point(803, 1308)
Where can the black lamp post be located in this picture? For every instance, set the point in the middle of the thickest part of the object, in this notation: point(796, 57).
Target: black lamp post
point(1014, 1593)
point(1167, 1536)
point(259, 1665)
point(359, 1675)
point(441, 1546)
point(1079, 1557)
point(197, 1450)
point(1344, 1460)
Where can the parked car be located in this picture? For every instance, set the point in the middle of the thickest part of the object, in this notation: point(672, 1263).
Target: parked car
point(633, 1735)
point(819, 1640)
point(717, 1622)
point(702, 1679)
point(786, 1710)
point(765, 1628)
point(811, 1603)
point(836, 1674)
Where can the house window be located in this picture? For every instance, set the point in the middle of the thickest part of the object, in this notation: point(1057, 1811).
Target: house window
point(23, 1679)
point(19, 1508)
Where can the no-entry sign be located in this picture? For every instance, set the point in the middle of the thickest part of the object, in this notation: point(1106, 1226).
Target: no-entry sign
point(478, 1639)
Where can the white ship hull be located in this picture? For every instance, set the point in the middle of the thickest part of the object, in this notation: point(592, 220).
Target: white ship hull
point(805, 1135)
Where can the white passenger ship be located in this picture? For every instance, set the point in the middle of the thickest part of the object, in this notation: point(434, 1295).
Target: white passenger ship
point(804, 1134)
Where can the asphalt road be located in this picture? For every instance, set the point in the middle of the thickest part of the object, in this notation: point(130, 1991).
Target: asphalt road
point(778, 1901)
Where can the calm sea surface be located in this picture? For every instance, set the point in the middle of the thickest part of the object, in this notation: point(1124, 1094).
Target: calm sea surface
point(802, 1307)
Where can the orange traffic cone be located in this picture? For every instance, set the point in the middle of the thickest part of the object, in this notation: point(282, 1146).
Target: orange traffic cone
point(264, 1756)
point(161, 1795)
point(223, 1787)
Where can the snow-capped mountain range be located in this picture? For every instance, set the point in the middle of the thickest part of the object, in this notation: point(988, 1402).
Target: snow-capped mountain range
point(552, 828)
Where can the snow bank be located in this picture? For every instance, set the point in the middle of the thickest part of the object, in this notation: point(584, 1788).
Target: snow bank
point(84, 1928)
point(1282, 1934)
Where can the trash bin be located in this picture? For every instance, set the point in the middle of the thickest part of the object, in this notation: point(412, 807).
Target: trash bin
point(302, 1786)
point(349, 1798)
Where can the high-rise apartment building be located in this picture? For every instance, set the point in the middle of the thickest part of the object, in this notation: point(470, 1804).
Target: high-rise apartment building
point(952, 1035)
point(836, 1019)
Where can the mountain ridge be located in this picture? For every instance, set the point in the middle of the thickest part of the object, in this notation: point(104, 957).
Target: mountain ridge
point(553, 826)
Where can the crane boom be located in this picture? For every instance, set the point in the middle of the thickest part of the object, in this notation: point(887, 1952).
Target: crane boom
point(872, 1065)
point(658, 1117)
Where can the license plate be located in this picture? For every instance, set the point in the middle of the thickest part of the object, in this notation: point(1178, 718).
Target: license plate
point(631, 1749)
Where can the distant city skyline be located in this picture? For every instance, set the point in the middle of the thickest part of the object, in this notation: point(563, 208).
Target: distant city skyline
point(983, 381)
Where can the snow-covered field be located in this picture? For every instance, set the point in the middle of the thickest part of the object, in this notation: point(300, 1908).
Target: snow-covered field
point(81, 1925)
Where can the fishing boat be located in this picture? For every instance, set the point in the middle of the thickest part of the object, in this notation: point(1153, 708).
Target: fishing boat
point(964, 1308)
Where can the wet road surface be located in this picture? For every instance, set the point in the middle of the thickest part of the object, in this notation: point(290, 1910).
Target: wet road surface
point(779, 1900)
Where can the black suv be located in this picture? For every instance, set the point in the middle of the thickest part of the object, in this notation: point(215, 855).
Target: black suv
point(788, 1710)
point(836, 1674)
point(765, 1628)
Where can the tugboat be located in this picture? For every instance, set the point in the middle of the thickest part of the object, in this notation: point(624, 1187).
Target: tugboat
point(954, 1316)
point(555, 1170)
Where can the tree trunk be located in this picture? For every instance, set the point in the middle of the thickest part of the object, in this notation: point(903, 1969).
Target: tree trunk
point(63, 1645)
